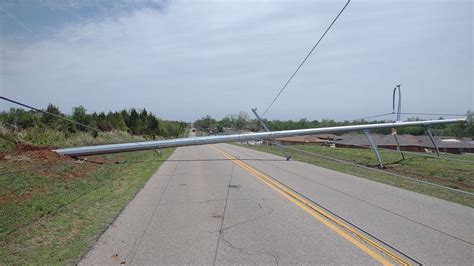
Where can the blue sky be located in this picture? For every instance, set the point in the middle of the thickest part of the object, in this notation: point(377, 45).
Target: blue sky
point(185, 59)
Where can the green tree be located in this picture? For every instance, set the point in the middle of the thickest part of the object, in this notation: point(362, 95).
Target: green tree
point(134, 121)
point(206, 123)
point(79, 115)
point(50, 120)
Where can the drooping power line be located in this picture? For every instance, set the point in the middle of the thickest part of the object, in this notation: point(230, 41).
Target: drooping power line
point(65, 119)
point(304, 60)
point(51, 114)
point(374, 116)
point(376, 169)
point(391, 113)
point(433, 114)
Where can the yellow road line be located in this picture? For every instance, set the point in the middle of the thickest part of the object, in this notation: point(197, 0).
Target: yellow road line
point(321, 215)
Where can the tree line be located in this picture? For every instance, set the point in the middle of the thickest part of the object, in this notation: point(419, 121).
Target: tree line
point(141, 122)
point(135, 121)
point(241, 121)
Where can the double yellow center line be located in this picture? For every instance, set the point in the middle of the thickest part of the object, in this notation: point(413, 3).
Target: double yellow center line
point(352, 235)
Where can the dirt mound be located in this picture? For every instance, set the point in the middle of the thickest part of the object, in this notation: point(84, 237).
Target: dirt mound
point(29, 147)
point(43, 161)
point(26, 151)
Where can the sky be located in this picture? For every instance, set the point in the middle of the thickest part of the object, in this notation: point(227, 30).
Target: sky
point(185, 59)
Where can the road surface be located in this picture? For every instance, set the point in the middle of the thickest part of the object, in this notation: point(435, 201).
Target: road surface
point(205, 207)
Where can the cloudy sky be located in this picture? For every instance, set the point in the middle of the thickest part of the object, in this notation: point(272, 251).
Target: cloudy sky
point(185, 59)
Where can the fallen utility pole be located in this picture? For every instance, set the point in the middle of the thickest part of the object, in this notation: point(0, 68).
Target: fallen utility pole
point(159, 144)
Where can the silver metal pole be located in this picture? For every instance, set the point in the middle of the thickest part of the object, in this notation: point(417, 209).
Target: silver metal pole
point(282, 148)
point(398, 145)
point(151, 145)
point(260, 120)
point(428, 131)
point(399, 108)
point(373, 146)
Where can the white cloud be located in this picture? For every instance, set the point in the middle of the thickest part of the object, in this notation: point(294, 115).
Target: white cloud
point(196, 58)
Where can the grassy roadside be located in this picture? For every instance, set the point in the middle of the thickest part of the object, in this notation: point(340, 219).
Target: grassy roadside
point(52, 214)
point(37, 136)
point(454, 174)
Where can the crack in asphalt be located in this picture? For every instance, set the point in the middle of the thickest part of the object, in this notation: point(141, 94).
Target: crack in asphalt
point(223, 213)
point(249, 220)
point(276, 258)
point(137, 247)
point(241, 250)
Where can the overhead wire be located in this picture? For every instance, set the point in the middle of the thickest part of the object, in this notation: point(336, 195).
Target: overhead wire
point(433, 114)
point(307, 152)
point(416, 154)
point(82, 125)
point(59, 117)
point(85, 126)
point(63, 118)
point(304, 60)
point(406, 113)
point(408, 152)
point(374, 116)
point(374, 169)
point(135, 162)
point(49, 113)
point(357, 198)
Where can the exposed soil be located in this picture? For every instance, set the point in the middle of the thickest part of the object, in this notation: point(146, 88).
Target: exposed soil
point(435, 179)
point(24, 196)
point(23, 149)
point(43, 161)
point(102, 160)
point(29, 147)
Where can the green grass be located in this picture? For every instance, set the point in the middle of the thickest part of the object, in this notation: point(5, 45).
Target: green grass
point(47, 136)
point(454, 174)
point(53, 215)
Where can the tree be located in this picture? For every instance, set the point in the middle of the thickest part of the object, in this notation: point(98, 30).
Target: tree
point(21, 119)
point(153, 126)
point(50, 120)
point(79, 115)
point(103, 123)
point(240, 120)
point(469, 130)
point(206, 123)
point(134, 121)
point(225, 122)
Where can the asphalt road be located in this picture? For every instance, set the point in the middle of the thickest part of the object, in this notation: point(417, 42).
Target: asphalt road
point(203, 208)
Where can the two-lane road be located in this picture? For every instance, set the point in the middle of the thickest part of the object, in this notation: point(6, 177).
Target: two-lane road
point(204, 206)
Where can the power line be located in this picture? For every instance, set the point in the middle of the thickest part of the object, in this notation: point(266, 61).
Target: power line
point(433, 114)
point(185, 160)
point(138, 162)
point(48, 113)
point(66, 119)
point(415, 154)
point(60, 117)
point(408, 113)
point(304, 60)
point(376, 170)
point(374, 116)
point(357, 198)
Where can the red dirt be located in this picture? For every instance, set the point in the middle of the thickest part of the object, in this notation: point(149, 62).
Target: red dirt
point(8, 197)
point(24, 196)
point(42, 160)
point(5, 198)
point(23, 149)
point(101, 160)
point(29, 147)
